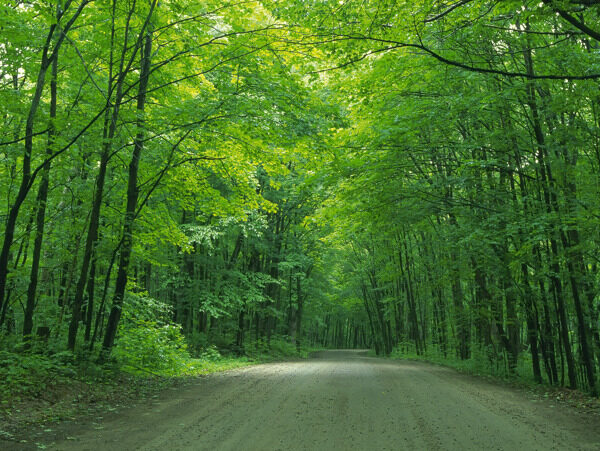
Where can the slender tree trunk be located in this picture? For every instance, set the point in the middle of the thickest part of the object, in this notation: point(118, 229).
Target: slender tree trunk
point(132, 198)
point(89, 310)
point(90, 244)
point(300, 301)
point(42, 198)
point(548, 198)
point(532, 326)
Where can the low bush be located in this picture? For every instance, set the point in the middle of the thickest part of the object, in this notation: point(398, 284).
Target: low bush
point(211, 353)
point(148, 347)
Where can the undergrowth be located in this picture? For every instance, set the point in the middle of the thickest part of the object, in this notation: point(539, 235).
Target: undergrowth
point(39, 387)
point(481, 362)
point(150, 349)
point(144, 351)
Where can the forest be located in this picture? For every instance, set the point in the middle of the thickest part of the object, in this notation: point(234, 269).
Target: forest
point(184, 180)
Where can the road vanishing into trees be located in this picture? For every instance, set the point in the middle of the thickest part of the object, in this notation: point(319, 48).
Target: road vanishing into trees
point(341, 400)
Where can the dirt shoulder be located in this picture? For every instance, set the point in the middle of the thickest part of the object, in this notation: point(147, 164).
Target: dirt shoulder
point(27, 423)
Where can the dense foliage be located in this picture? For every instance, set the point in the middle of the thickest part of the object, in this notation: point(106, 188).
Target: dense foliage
point(152, 164)
point(222, 177)
point(466, 208)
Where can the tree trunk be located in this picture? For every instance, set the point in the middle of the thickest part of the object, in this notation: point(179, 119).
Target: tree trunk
point(549, 199)
point(42, 198)
point(132, 198)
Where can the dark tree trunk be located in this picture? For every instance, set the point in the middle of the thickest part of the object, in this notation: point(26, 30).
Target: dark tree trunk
point(42, 198)
point(89, 309)
point(550, 202)
point(132, 199)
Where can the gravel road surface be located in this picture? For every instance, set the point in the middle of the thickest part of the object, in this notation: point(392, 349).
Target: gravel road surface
point(340, 400)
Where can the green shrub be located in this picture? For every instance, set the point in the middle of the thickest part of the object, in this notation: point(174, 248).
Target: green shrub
point(148, 347)
point(148, 342)
point(211, 354)
point(23, 374)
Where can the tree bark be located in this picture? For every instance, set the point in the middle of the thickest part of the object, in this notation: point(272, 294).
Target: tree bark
point(132, 198)
point(42, 198)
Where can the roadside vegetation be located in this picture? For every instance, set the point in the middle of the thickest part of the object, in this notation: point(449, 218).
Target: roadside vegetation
point(39, 387)
point(187, 187)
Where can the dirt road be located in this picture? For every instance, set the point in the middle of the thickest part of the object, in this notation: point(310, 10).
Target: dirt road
point(341, 400)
